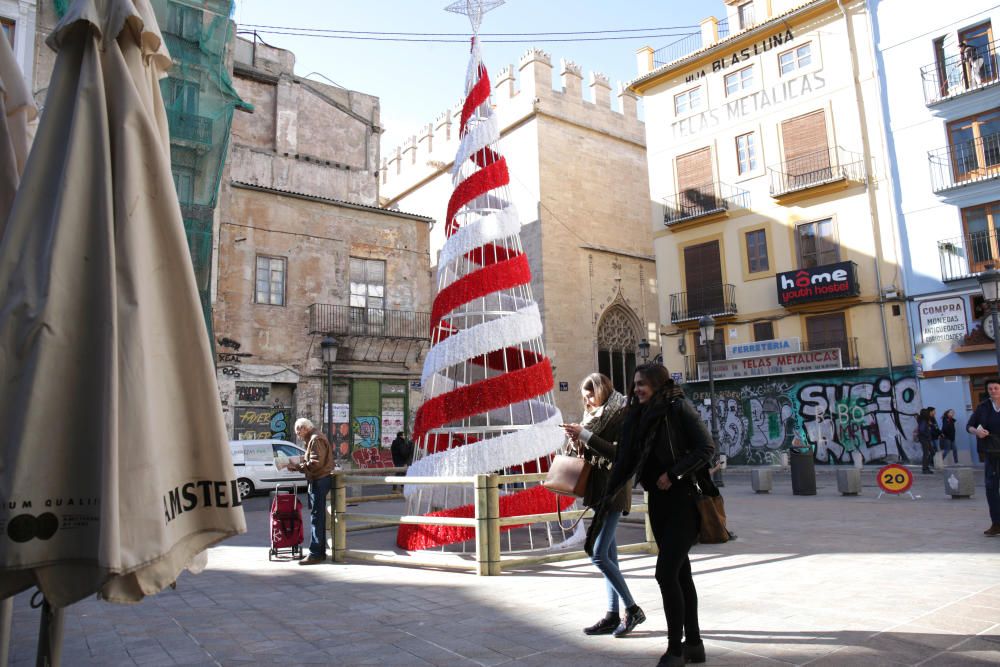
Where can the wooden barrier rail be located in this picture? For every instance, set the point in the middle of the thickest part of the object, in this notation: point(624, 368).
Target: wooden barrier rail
point(486, 521)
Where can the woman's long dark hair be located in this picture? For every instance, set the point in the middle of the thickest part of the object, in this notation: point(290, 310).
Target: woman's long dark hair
point(656, 375)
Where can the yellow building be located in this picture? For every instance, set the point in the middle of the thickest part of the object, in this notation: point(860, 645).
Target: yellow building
point(772, 214)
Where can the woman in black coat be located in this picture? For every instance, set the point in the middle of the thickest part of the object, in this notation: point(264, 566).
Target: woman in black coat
point(664, 444)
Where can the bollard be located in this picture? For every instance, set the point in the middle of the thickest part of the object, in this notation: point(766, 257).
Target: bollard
point(960, 482)
point(849, 481)
point(761, 480)
point(338, 532)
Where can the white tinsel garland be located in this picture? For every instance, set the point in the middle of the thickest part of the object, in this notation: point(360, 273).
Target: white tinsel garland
point(476, 341)
point(493, 227)
point(493, 454)
point(477, 138)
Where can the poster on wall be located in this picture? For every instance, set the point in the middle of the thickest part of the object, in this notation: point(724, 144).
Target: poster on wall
point(338, 415)
point(393, 419)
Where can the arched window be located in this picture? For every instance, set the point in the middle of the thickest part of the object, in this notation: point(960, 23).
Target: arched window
point(616, 346)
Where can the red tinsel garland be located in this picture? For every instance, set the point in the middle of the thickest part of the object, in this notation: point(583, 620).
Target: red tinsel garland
point(490, 177)
point(479, 94)
point(503, 275)
point(536, 500)
point(483, 396)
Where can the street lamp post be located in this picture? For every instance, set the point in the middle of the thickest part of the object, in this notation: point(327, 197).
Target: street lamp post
point(328, 348)
point(706, 325)
point(644, 350)
point(989, 282)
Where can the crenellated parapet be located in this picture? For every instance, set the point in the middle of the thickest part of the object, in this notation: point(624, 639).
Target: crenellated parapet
point(519, 92)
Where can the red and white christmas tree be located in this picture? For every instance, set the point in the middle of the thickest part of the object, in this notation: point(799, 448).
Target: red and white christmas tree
point(488, 403)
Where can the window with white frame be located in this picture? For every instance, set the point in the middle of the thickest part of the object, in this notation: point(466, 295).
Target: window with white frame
point(687, 101)
point(367, 283)
point(745, 14)
point(739, 81)
point(746, 153)
point(270, 280)
point(795, 59)
point(8, 29)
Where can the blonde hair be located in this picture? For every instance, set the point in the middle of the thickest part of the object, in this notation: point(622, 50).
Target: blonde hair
point(600, 384)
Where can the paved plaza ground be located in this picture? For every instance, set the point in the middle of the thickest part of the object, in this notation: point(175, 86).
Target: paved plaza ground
point(814, 580)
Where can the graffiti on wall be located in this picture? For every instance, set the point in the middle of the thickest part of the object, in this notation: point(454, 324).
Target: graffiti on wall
point(843, 418)
point(252, 423)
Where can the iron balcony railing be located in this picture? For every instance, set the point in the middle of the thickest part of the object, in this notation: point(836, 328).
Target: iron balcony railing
point(712, 300)
point(351, 321)
point(965, 162)
point(968, 255)
point(848, 356)
point(686, 45)
point(701, 200)
point(959, 74)
point(190, 127)
point(814, 169)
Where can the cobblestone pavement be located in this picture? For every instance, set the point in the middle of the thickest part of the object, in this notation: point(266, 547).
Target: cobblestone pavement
point(815, 580)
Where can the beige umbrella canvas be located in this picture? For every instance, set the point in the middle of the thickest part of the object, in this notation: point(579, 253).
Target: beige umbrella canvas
point(17, 109)
point(115, 467)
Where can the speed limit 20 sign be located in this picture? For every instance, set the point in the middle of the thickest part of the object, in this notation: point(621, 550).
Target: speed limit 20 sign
point(895, 479)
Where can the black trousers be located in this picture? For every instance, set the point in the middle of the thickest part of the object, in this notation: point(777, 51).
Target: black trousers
point(928, 451)
point(675, 521)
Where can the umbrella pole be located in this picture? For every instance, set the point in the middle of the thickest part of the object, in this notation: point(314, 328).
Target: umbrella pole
point(6, 616)
point(50, 634)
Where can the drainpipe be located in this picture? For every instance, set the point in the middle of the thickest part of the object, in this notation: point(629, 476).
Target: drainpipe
point(872, 204)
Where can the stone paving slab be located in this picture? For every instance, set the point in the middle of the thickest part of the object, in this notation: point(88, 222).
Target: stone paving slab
point(812, 580)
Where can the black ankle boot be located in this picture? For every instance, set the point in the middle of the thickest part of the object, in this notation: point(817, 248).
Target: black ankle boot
point(694, 652)
point(633, 617)
point(669, 659)
point(605, 626)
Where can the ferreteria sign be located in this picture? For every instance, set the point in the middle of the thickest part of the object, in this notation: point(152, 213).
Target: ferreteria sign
point(830, 281)
point(942, 320)
point(774, 364)
point(762, 347)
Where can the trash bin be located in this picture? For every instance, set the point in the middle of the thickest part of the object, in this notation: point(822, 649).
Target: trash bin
point(803, 472)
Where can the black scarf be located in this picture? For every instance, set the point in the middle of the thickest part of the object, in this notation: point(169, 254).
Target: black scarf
point(642, 417)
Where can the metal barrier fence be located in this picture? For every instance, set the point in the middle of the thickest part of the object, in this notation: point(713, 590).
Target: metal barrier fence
point(486, 522)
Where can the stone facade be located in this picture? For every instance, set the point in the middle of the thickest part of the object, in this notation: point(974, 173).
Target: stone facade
point(300, 188)
point(578, 179)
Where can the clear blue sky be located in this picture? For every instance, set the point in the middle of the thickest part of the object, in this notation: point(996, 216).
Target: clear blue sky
point(417, 81)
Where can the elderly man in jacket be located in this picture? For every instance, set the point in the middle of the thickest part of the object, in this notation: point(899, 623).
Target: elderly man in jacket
point(317, 464)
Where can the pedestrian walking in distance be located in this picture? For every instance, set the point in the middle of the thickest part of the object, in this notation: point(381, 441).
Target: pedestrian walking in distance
point(985, 425)
point(317, 464)
point(948, 436)
point(925, 429)
point(596, 436)
point(401, 450)
point(664, 444)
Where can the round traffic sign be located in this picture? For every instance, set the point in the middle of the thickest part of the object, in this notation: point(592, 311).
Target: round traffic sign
point(895, 478)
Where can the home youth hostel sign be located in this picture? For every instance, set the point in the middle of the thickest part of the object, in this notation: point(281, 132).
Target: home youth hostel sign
point(774, 364)
point(830, 281)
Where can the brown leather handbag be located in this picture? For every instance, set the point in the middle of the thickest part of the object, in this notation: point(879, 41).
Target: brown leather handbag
point(568, 475)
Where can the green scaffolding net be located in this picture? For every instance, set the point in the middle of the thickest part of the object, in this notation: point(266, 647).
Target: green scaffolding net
point(200, 99)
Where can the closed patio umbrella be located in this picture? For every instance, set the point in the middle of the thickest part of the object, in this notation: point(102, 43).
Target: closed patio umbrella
point(115, 471)
point(17, 109)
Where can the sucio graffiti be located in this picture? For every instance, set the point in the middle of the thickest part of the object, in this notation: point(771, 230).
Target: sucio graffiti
point(845, 418)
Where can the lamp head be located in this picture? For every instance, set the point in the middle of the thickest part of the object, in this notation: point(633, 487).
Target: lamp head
point(707, 327)
point(644, 349)
point(989, 282)
point(328, 349)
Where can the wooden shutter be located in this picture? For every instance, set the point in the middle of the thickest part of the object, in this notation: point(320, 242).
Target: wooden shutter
point(807, 154)
point(828, 331)
point(703, 277)
point(696, 191)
